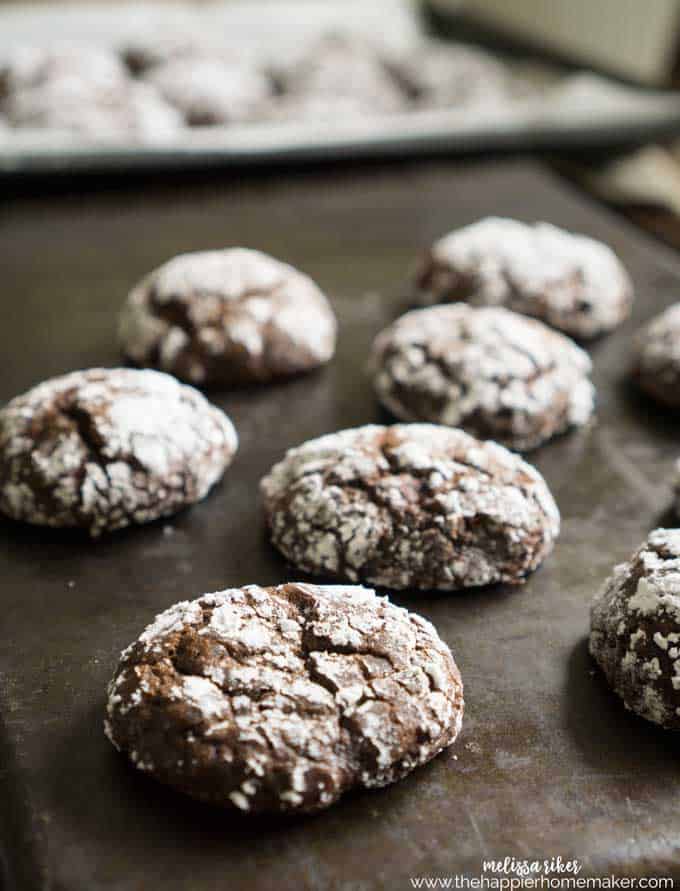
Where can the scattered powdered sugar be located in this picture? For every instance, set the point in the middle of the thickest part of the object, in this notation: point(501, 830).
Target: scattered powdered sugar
point(635, 629)
point(498, 373)
point(108, 447)
point(275, 699)
point(410, 506)
point(228, 316)
point(571, 281)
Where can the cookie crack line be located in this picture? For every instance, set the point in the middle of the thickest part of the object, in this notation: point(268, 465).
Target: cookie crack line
point(228, 317)
point(572, 282)
point(494, 372)
point(374, 693)
point(102, 449)
point(409, 506)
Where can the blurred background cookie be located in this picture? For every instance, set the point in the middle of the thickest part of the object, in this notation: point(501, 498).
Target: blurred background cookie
point(84, 91)
point(339, 71)
point(213, 90)
point(656, 366)
point(440, 74)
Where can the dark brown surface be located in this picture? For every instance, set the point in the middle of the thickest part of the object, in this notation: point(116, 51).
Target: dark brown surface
point(549, 763)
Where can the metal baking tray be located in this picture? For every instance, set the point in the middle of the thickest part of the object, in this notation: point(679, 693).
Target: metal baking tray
point(549, 763)
point(572, 109)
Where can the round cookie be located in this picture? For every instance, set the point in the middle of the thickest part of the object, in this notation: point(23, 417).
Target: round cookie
point(498, 374)
point(441, 74)
point(410, 506)
point(105, 448)
point(84, 91)
point(142, 52)
point(635, 629)
point(656, 365)
point(65, 87)
point(282, 699)
point(28, 66)
point(572, 282)
point(221, 318)
point(210, 91)
point(341, 73)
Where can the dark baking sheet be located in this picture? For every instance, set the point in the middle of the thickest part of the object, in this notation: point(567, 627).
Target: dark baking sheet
point(548, 764)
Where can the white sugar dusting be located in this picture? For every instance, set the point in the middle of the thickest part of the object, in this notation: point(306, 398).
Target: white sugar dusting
point(450, 364)
point(131, 446)
point(337, 503)
point(571, 281)
point(635, 628)
point(275, 725)
point(237, 305)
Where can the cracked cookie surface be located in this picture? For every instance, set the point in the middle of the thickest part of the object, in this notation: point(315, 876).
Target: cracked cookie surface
point(410, 506)
point(105, 448)
point(656, 365)
point(569, 281)
point(229, 317)
point(498, 374)
point(635, 629)
point(282, 699)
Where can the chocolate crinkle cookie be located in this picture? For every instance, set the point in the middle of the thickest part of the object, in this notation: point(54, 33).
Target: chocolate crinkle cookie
point(341, 72)
point(210, 91)
point(441, 74)
point(220, 318)
point(144, 51)
point(84, 91)
point(635, 629)
point(106, 448)
point(496, 373)
point(410, 506)
point(656, 364)
point(572, 282)
point(282, 699)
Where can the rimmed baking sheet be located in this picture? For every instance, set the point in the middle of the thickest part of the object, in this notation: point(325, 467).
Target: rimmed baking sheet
point(570, 109)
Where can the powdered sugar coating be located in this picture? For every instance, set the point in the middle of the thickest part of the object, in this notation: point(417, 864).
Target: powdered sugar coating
point(228, 317)
point(572, 282)
point(657, 357)
point(340, 72)
point(442, 74)
point(26, 66)
point(410, 506)
point(150, 49)
point(281, 699)
point(211, 90)
point(83, 90)
point(496, 373)
point(635, 629)
point(104, 448)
